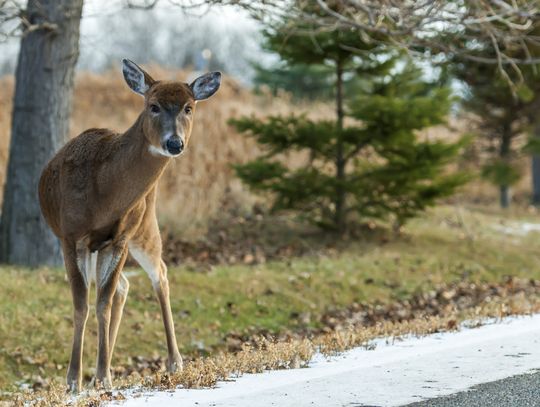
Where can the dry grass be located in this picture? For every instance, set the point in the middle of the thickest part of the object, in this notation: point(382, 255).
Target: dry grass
point(450, 265)
point(195, 187)
point(295, 353)
point(200, 184)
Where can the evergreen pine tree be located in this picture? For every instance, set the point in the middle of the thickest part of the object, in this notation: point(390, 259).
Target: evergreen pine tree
point(374, 168)
point(505, 107)
point(303, 81)
point(409, 174)
point(501, 118)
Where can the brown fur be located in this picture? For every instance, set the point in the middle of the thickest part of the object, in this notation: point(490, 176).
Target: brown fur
point(98, 194)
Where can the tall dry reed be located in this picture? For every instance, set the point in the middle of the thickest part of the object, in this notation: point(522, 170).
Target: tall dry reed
point(201, 183)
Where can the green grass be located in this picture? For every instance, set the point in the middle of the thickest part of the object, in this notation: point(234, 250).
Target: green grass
point(35, 305)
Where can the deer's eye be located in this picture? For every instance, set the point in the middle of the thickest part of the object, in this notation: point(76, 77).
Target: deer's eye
point(188, 109)
point(155, 108)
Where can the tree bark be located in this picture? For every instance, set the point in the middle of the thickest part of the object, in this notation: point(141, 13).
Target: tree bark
point(536, 168)
point(505, 196)
point(41, 112)
point(339, 215)
point(504, 153)
point(535, 180)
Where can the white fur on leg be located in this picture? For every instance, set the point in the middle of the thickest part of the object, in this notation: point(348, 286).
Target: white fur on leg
point(149, 264)
point(83, 261)
point(107, 262)
point(93, 266)
point(86, 261)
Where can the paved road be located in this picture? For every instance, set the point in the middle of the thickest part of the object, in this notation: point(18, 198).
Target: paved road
point(407, 371)
point(517, 391)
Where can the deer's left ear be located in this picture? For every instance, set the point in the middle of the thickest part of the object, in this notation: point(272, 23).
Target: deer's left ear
point(206, 85)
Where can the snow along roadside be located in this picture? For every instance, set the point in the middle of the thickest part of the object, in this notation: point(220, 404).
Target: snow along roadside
point(408, 370)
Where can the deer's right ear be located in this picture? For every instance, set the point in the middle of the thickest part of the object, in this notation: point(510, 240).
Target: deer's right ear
point(136, 78)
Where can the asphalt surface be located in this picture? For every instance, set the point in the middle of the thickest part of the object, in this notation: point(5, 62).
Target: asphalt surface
point(517, 391)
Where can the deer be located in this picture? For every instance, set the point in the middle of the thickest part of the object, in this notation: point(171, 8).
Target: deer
point(98, 195)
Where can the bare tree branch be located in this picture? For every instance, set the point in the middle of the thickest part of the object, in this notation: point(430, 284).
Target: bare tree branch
point(462, 28)
point(141, 4)
point(504, 24)
point(15, 23)
point(10, 11)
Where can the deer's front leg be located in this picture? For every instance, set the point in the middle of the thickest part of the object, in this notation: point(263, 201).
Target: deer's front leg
point(161, 287)
point(109, 266)
point(149, 258)
point(118, 302)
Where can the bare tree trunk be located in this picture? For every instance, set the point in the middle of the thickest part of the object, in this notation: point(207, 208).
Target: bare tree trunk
point(505, 196)
point(504, 153)
point(41, 111)
point(536, 168)
point(339, 215)
point(536, 180)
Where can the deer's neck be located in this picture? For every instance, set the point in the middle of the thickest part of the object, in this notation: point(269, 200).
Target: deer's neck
point(140, 168)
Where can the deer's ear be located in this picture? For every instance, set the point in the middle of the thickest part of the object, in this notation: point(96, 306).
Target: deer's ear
point(206, 85)
point(136, 78)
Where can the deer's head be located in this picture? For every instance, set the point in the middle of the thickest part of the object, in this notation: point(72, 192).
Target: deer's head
point(169, 107)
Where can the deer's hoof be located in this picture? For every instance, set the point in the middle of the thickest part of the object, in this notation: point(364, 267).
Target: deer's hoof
point(103, 383)
point(175, 364)
point(73, 386)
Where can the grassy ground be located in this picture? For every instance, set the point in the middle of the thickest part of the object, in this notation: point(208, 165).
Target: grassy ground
point(231, 301)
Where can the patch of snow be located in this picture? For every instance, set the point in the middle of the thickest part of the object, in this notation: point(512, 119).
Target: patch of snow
point(392, 374)
point(518, 228)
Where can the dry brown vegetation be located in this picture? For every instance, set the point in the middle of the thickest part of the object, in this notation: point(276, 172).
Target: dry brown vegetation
point(511, 298)
point(200, 184)
point(452, 266)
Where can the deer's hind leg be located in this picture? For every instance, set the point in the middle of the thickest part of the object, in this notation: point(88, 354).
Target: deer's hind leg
point(117, 308)
point(77, 265)
point(110, 262)
point(146, 250)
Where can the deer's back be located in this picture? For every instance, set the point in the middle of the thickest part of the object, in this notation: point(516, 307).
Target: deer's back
point(68, 184)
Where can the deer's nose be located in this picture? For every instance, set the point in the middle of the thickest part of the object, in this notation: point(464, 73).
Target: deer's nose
point(174, 145)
